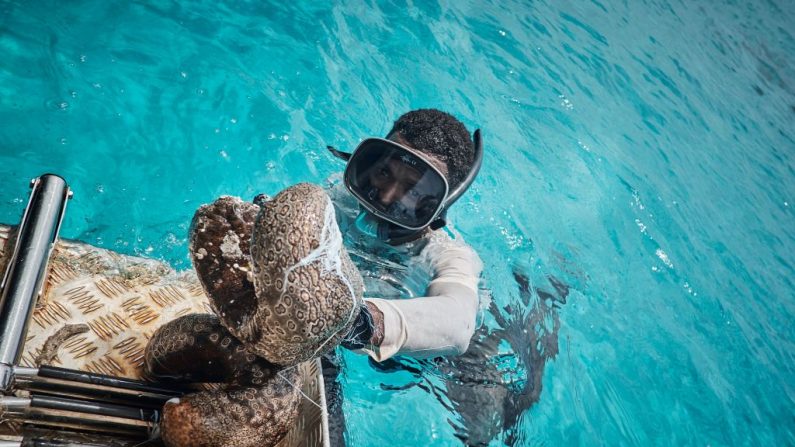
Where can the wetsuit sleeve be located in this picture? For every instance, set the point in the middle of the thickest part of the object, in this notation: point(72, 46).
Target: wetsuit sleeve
point(442, 322)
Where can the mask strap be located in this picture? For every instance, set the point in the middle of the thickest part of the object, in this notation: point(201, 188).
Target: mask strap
point(338, 153)
point(459, 191)
point(470, 178)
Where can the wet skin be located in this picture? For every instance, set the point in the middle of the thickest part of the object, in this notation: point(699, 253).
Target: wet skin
point(394, 179)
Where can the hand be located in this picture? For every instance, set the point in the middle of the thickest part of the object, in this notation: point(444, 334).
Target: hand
point(260, 199)
point(368, 330)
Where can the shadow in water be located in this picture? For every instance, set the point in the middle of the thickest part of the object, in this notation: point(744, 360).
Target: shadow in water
point(500, 376)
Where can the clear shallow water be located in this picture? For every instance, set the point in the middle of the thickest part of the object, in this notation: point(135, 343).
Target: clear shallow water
point(642, 152)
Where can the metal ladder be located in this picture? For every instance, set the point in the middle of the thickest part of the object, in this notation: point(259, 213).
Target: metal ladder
point(59, 406)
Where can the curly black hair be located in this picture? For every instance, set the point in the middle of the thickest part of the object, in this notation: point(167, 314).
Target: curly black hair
point(442, 135)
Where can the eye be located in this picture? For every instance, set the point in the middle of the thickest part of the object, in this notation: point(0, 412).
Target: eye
point(383, 172)
point(414, 194)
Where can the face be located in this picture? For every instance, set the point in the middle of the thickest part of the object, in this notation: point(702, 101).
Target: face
point(396, 183)
point(393, 179)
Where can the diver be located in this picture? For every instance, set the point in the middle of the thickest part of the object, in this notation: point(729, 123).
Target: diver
point(422, 297)
point(421, 278)
point(393, 214)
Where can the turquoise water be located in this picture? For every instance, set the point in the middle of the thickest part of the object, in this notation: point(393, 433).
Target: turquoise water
point(641, 152)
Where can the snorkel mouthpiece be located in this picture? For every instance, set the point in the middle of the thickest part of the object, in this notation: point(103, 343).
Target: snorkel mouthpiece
point(367, 224)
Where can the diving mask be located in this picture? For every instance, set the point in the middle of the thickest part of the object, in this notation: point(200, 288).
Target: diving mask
point(395, 183)
point(401, 186)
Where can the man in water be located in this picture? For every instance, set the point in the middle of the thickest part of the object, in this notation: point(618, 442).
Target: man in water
point(393, 209)
point(421, 278)
point(421, 282)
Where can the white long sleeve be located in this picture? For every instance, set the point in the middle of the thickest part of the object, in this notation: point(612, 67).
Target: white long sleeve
point(443, 321)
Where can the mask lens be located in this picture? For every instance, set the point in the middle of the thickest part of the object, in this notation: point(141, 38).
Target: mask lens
point(395, 184)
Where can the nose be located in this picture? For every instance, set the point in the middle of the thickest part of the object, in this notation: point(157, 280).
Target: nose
point(389, 194)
